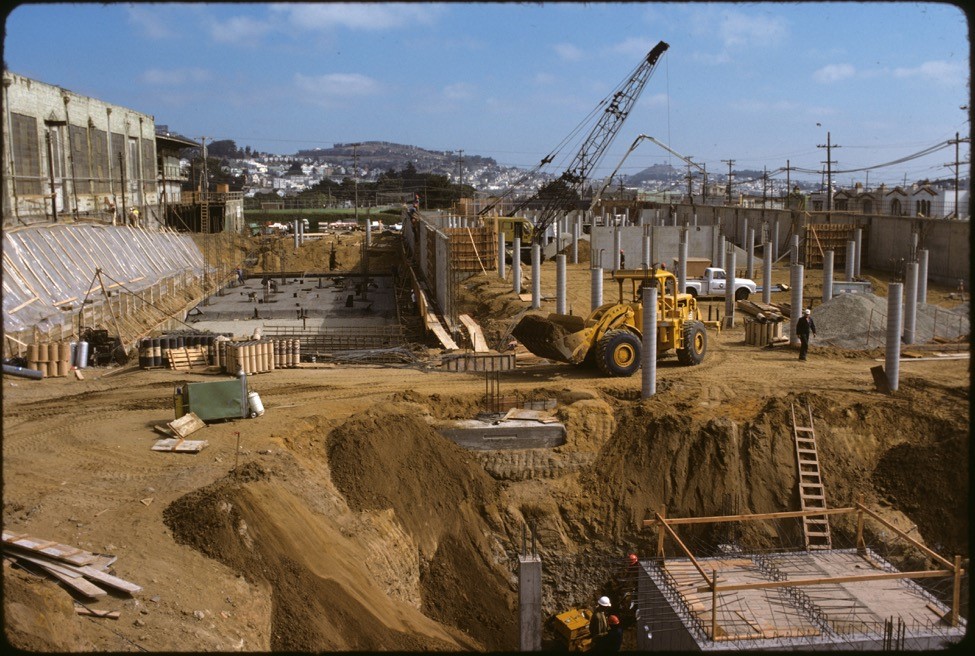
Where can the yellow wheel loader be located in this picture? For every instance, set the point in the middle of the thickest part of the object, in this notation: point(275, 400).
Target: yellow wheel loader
point(611, 337)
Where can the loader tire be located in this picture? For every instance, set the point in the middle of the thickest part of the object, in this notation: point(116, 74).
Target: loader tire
point(618, 353)
point(695, 344)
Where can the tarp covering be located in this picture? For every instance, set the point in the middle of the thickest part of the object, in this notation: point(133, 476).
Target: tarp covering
point(46, 267)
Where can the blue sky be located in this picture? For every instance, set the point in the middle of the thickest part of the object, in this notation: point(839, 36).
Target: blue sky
point(760, 83)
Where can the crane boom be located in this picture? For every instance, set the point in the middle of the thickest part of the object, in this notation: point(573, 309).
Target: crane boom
point(594, 146)
point(596, 198)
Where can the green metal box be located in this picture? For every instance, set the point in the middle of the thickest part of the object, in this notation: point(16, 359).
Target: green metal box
point(222, 399)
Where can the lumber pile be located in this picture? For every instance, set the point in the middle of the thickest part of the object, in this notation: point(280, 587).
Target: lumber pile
point(185, 358)
point(78, 570)
point(762, 312)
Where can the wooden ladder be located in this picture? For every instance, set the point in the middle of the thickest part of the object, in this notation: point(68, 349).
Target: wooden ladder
point(812, 494)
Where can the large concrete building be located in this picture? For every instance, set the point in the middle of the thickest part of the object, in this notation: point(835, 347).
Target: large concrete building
point(68, 157)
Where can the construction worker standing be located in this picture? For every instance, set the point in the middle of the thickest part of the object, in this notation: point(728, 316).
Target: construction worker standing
point(804, 326)
point(613, 639)
point(599, 623)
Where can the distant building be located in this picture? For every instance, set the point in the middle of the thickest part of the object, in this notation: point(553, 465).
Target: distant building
point(918, 200)
point(68, 157)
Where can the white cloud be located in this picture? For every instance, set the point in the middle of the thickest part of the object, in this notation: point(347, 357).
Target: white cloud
point(834, 73)
point(150, 20)
point(175, 76)
point(568, 52)
point(710, 59)
point(544, 79)
point(740, 29)
point(940, 72)
point(653, 100)
point(238, 29)
point(366, 16)
point(633, 47)
point(332, 89)
point(761, 106)
point(459, 91)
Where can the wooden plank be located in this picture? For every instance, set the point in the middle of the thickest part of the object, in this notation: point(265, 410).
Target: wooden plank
point(109, 580)
point(93, 612)
point(23, 305)
point(65, 569)
point(477, 336)
point(434, 325)
point(186, 425)
point(52, 549)
point(180, 445)
point(86, 588)
point(743, 518)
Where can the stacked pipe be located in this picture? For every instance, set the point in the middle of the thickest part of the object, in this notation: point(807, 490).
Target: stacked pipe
point(52, 359)
point(154, 351)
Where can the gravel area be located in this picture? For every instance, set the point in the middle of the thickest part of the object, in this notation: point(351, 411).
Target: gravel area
point(858, 321)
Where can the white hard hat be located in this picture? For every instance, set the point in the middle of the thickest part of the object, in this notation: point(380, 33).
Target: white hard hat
point(603, 601)
point(807, 311)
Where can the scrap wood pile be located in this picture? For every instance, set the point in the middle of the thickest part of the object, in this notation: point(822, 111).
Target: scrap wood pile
point(78, 570)
point(765, 313)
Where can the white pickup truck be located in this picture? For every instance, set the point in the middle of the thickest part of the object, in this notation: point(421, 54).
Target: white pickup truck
point(715, 282)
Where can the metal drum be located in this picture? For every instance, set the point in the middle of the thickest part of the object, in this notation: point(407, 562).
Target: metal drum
point(81, 353)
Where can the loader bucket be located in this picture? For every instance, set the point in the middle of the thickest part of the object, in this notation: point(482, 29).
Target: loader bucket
point(559, 337)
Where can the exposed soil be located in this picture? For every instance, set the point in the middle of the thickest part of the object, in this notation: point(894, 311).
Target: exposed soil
point(345, 521)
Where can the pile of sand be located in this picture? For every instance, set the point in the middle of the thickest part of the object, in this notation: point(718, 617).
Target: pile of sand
point(859, 321)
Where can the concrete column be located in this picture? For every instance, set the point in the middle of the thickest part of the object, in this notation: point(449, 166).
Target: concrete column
point(501, 270)
point(682, 264)
point(536, 276)
point(721, 251)
point(767, 277)
point(641, 217)
point(649, 355)
point(858, 241)
point(645, 260)
point(743, 237)
point(794, 251)
point(851, 250)
point(910, 302)
point(597, 287)
point(368, 230)
point(729, 292)
point(795, 279)
point(560, 283)
point(516, 265)
point(294, 230)
point(827, 275)
point(656, 219)
point(617, 237)
point(922, 277)
point(576, 234)
point(530, 603)
point(775, 240)
point(892, 351)
point(695, 219)
point(750, 255)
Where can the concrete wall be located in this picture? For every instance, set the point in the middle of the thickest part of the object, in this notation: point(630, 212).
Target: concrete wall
point(86, 137)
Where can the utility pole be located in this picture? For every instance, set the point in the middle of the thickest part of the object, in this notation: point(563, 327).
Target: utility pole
point(764, 187)
point(355, 178)
point(704, 190)
point(829, 171)
point(690, 183)
point(205, 220)
point(729, 162)
point(957, 165)
point(460, 168)
point(788, 180)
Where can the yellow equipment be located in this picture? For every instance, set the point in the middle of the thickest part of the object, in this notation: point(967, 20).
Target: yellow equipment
point(611, 336)
point(507, 225)
point(571, 628)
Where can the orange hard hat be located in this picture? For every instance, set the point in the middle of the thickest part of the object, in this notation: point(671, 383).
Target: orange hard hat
point(633, 559)
point(614, 620)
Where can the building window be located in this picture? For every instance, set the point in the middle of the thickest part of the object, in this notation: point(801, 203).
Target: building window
point(895, 207)
point(867, 207)
point(81, 171)
point(99, 162)
point(922, 208)
point(27, 157)
point(841, 204)
point(817, 206)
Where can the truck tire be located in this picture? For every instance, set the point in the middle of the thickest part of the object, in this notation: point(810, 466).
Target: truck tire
point(692, 291)
point(695, 344)
point(618, 353)
point(741, 294)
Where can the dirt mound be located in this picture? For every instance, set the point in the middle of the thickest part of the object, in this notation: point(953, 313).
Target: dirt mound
point(323, 596)
point(334, 252)
point(38, 616)
point(390, 459)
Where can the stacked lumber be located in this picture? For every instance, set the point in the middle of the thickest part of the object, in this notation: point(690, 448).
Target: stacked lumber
point(762, 312)
point(184, 358)
point(80, 571)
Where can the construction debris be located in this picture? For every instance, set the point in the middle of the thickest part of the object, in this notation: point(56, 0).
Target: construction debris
point(186, 425)
point(180, 445)
point(75, 568)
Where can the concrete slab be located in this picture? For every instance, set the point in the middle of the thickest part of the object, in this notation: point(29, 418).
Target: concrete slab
point(479, 435)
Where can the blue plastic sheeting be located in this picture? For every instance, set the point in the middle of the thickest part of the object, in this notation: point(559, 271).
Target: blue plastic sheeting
point(47, 267)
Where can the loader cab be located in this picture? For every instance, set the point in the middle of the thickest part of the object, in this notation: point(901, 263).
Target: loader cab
point(509, 225)
point(669, 301)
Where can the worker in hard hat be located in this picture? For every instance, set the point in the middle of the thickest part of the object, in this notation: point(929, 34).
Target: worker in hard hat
point(599, 622)
point(805, 326)
point(613, 640)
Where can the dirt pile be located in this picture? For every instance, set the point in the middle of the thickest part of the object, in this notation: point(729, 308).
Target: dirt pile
point(391, 459)
point(858, 321)
point(323, 596)
point(336, 252)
